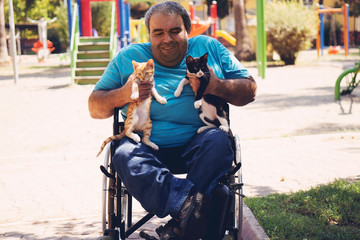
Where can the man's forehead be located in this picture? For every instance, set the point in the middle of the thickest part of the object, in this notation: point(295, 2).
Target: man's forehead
point(161, 21)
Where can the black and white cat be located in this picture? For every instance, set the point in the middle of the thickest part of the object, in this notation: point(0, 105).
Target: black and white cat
point(213, 110)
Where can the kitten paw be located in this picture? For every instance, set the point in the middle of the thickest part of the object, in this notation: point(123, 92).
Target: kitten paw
point(197, 104)
point(152, 145)
point(134, 96)
point(135, 137)
point(177, 92)
point(200, 130)
point(224, 128)
point(162, 100)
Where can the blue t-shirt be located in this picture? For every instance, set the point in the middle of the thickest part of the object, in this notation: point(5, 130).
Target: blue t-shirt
point(177, 121)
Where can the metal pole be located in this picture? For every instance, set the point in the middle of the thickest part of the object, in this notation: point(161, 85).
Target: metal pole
point(260, 38)
point(322, 31)
point(69, 11)
point(346, 29)
point(13, 46)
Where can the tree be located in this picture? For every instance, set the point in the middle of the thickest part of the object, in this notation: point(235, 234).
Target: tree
point(290, 28)
point(354, 9)
point(243, 48)
point(3, 49)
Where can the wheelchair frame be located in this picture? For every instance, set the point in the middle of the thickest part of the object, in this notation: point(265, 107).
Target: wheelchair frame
point(116, 202)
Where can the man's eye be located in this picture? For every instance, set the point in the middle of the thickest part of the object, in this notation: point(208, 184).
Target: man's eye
point(175, 31)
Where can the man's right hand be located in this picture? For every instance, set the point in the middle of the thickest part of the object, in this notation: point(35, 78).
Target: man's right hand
point(144, 90)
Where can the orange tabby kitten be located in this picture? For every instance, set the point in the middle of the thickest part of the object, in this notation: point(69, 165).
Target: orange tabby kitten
point(138, 113)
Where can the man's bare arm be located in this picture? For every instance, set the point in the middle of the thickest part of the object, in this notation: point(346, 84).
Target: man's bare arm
point(238, 92)
point(102, 102)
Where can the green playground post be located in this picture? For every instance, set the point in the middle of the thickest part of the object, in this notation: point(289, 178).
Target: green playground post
point(260, 38)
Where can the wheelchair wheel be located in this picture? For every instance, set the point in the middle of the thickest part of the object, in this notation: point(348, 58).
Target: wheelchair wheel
point(105, 190)
point(239, 202)
point(115, 203)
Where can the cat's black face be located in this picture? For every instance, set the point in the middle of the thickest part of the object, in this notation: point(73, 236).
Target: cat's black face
point(197, 65)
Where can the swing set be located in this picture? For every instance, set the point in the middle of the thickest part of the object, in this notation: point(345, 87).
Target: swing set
point(320, 33)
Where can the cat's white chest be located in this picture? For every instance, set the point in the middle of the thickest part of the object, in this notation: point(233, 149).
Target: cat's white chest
point(142, 113)
point(208, 110)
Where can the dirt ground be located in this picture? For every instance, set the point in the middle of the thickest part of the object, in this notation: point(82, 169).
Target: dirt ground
point(50, 180)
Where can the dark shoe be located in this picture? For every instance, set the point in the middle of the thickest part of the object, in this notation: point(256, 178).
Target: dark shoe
point(166, 232)
point(194, 216)
point(146, 236)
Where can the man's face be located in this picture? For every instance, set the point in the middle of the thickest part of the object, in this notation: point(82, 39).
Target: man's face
point(169, 39)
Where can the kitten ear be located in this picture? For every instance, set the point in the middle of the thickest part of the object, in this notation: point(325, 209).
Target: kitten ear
point(204, 57)
point(135, 64)
point(189, 59)
point(150, 63)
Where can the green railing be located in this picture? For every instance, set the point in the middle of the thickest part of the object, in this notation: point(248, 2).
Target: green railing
point(74, 42)
point(113, 36)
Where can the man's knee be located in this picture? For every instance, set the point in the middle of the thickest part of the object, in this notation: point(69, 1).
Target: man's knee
point(123, 150)
point(217, 138)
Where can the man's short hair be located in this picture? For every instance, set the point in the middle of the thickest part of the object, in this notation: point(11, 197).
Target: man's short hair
point(168, 8)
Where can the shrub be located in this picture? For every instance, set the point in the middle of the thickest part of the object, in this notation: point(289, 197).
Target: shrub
point(290, 27)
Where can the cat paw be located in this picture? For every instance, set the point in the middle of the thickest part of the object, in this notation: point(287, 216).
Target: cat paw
point(134, 96)
point(224, 128)
point(177, 92)
point(200, 130)
point(152, 145)
point(197, 104)
point(162, 100)
point(135, 137)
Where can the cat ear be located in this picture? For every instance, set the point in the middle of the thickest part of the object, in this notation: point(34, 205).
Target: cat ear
point(135, 64)
point(205, 56)
point(189, 59)
point(150, 63)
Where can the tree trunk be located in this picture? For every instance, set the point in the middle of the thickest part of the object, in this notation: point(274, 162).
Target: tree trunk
point(3, 49)
point(243, 48)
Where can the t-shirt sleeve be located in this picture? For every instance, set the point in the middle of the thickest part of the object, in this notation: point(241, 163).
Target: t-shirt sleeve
point(229, 65)
point(111, 76)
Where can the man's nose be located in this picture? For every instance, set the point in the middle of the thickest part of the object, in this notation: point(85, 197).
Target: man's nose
point(167, 37)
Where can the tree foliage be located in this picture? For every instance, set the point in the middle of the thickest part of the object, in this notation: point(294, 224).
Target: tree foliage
point(354, 6)
point(290, 27)
point(35, 9)
point(3, 49)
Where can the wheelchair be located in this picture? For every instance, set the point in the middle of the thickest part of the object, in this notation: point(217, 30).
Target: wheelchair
point(117, 203)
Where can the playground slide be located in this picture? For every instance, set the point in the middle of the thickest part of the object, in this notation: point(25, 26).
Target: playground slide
point(199, 29)
point(226, 36)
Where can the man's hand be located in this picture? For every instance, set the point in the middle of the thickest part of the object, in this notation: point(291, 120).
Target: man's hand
point(144, 90)
point(194, 82)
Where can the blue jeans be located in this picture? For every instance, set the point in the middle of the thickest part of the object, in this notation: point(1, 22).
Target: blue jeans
point(147, 174)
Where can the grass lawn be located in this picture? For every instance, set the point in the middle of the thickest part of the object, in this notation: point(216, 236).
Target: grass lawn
point(326, 212)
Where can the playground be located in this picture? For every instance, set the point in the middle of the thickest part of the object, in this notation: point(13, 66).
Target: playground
point(53, 185)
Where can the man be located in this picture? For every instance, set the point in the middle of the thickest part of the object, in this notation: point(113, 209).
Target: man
point(206, 156)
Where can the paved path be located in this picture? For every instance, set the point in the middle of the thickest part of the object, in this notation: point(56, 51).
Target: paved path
point(293, 137)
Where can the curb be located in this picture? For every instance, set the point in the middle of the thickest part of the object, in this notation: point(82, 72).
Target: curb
point(251, 229)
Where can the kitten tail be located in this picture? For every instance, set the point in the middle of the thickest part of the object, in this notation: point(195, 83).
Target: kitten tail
point(109, 139)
